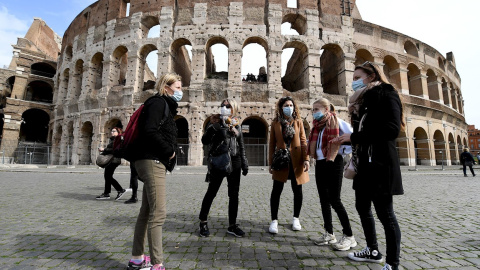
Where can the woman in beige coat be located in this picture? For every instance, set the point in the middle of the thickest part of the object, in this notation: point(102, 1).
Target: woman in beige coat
point(287, 132)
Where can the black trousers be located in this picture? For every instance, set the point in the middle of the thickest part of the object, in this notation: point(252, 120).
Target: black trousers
point(277, 192)
point(133, 179)
point(465, 169)
point(216, 179)
point(384, 208)
point(109, 180)
point(328, 176)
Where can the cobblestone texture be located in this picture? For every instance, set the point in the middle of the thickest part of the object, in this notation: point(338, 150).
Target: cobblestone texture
point(51, 220)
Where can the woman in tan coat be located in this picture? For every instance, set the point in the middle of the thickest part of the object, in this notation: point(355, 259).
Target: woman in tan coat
point(287, 132)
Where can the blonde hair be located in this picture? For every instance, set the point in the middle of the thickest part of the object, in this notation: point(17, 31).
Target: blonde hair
point(466, 149)
point(166, 79)
point(234, 104)
point(279, 108)
point(325, 103)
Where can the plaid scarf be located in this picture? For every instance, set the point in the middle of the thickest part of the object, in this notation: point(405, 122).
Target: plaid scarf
point(330, 123)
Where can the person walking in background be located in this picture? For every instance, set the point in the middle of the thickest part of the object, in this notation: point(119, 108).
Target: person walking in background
point(156, 145)
point(287, 132)
point(466, 159)
point(133, 184)
point(223, 135)
point(478, 158)
point(110, 169)
point(329, 171)
point(377, 119)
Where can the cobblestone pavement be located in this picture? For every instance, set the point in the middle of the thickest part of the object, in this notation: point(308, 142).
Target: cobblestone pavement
point(51, 220)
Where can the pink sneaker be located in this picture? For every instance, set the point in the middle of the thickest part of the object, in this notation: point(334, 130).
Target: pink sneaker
point(158, 267)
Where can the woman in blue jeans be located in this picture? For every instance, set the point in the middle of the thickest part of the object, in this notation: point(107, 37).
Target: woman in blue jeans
point(377, 118)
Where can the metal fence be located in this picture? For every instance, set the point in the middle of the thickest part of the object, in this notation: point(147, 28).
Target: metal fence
point(257, 155)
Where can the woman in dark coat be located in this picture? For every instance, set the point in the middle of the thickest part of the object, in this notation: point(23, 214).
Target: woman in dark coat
point(466, 159)
point(110, 169)
point(377, 118)
point(223, 134)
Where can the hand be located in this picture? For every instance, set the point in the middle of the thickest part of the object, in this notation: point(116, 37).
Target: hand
point(341, 139)
point(100, 149)
point(245, 172)
point(306, 165)
point(172, 156)
point(270, 170)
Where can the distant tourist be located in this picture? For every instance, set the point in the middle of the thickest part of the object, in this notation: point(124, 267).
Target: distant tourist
point(329, 171)
point(157, 144)
point(133, 184)
point(466, 159)
point(110, 168)
point(287, 143)
point(378, 175)
point(224, 137)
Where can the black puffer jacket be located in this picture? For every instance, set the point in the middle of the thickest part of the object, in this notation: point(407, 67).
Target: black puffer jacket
point(220, 139)
point(109, 150)
point(378, 166)
point(157, 137)
point(466, 156)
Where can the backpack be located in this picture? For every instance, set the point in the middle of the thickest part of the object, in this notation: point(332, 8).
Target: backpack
point(124, 145)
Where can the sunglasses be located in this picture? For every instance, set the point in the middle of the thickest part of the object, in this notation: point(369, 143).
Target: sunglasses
point(369, 64)
point(227, 105)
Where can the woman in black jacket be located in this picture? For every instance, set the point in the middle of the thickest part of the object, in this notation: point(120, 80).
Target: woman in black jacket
point(110, 169)
point(377, 118)
point(223, 134)
point(466, 159)
point(155, 148)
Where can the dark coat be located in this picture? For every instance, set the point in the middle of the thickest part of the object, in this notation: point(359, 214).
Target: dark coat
point(466, 156)
point(378, 166)
point(109, 150)
point(157, 136)
point(220, 139)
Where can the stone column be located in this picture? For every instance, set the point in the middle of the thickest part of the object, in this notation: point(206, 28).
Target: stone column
point(447, 98)
point(195, 155)
point(423, 78)
point(274, 74)
point(20, 86)
point(437, 87)
point(314, 75)
point(403, 78)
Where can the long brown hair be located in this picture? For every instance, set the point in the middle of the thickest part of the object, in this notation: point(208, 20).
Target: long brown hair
point(279, 108)
point(370, 68)
point(119, 130)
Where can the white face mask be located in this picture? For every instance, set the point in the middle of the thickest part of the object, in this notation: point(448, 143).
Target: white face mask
point(225, 111)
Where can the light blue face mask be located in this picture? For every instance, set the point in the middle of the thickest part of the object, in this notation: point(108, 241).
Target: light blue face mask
point(358, 84)
point(177, 95)
point(288, 111)
point(318, 115)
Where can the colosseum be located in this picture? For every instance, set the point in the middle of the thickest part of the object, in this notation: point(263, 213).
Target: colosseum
point(102, 74)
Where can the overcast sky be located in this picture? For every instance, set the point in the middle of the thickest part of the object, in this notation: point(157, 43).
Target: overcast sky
point(445, 25)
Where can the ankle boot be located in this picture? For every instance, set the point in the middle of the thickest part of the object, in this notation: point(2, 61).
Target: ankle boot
point(133, 199)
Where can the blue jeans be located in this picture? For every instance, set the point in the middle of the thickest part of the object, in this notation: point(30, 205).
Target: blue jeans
point(384, 207)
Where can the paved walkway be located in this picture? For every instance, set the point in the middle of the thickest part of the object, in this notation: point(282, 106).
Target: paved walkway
point(51, 220)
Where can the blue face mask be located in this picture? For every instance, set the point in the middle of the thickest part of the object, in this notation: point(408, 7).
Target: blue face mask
point(318, 115)
point(288, 111)
point(177, 95)
point(358, 84)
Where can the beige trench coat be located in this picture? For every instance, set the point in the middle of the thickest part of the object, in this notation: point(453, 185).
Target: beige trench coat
point(298, 150)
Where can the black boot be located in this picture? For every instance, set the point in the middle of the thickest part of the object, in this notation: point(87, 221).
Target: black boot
point(133, 199)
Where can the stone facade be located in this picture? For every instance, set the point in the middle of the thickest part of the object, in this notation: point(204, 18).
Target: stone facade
point(473, 139)
point(26, 89)
point(102, 76)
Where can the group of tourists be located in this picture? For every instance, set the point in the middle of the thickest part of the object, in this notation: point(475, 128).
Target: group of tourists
point(376, 114)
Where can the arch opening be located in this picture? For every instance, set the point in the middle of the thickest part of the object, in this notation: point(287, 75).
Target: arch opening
point(414, 80)
point(34, 126)
point(440, 148)
point(149, 65)
point(43, 69)
point(295, 76)
point(216, 62)
point(391, 69)
point(84, 150)
point(332, 69)
point(410, 48)
point(39, 91)
point(78, 80)
point(254, 60)
point(432, 83)
point(255, 132)
point(294, 24)
point(422, 150)
point(363, 55)
point(119, 66)
point(181, 54)
point(182, 140)
point(96, 68)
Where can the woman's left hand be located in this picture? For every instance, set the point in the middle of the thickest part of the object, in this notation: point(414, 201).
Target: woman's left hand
point(306, 165)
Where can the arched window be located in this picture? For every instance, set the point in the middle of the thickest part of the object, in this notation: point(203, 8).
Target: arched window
point(453, 93)
point(254, 60)
point(410, 48)
point(332, 65)
point(68, 54)
point(255, 132)
point(148, 64)
point(119, 66)
point(422, 150)
point(440, 148)
point(446, 98)
point(441, 64)
point(414, 80)
point(78, 79)
point(294, 24)
point(150, 27)
point(361, 56)
point(216, 62)
point(432, 85)
point(39, 91)
point(43, 69)
point(182, 60)
point(295, 71)
point(391, 69)
point(85, 144)
point(34, 126)
point(96, 68)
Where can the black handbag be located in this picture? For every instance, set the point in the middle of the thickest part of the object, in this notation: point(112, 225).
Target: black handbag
point(222, 162)
point(281, 159)
point(103, 160)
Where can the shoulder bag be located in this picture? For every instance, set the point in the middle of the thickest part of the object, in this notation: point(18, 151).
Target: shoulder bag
point(350, 169)
point(281, 159)
point(103, 160)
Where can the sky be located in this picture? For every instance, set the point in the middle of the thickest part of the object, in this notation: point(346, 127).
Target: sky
point(443, 24)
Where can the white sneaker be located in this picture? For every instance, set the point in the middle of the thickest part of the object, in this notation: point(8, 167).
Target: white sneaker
point(326, 239)
point(345, 243)
point(387, 267)
point(273, 227)
point(296, 224)
point(128, 190)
